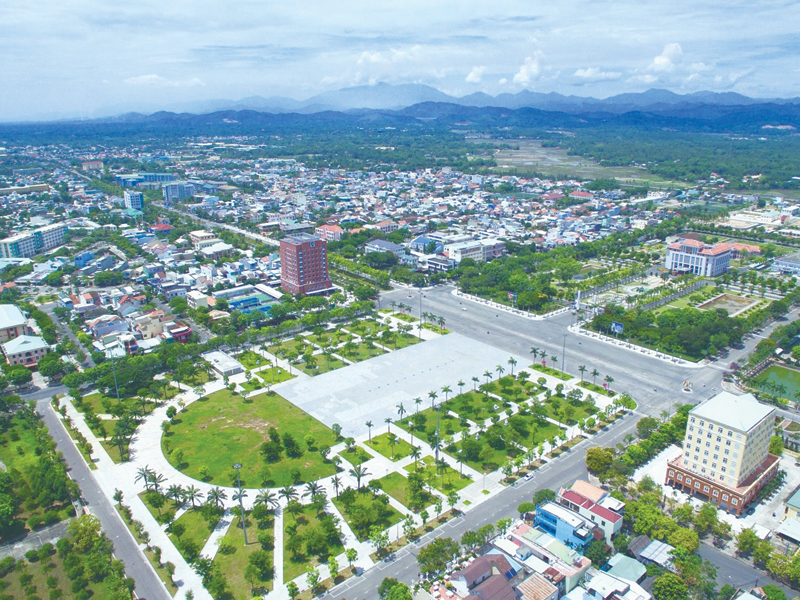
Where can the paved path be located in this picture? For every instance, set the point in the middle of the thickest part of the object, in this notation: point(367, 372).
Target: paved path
point(35, 540)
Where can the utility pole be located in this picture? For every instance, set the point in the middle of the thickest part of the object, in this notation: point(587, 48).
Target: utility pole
point(563, 351)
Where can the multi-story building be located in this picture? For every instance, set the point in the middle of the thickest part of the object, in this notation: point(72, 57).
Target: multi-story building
point(725, 458)
point(26, 350)
point(304, 265)
point(133, 200)
point(201, 238)
point(31, 243)
point(565, 525)
point(177, 190)
point(595, 504)
point(12, 322)
point(329, 233)
point(698, 258)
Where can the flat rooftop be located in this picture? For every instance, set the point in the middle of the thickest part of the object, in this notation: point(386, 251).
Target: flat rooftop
point(741, 413)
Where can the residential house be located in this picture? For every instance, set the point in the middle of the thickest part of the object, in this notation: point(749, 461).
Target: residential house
point(26, 350)
point(566, 525)
point(12, 322)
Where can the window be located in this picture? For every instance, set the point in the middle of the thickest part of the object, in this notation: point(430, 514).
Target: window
point(724, 496)
point(705, 488)
point(716, 493)
point(734, 502)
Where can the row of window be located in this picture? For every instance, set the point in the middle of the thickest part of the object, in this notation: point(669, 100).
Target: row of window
point(705, 488)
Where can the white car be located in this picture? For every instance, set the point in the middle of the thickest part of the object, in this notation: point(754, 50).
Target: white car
point(464, 308)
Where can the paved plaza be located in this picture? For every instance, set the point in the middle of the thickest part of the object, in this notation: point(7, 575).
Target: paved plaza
point(372, 389)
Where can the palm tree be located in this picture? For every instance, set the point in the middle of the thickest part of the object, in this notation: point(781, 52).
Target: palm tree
point(388, 421)
point(554, 358)
point(369, 429)
point(358, 472)
point(266, 498)
point(582, 370)
point(446, 391)
point(216, 495)
point(432, 396)
point(415, 454)
point(143, 475)
point(237, 496)
point(313, 489)
point(288, 493)
point(609, 380)
point(392, 442)
point(488, 375)
point(475, 382)
point(192, 494)
point(535, 352)
point(175, 492)
point(513, 362)
point(157, 480)
point(440, 323)
point(417, 401)
point(336, 482)
point(460, 385)
point(500, 370)
point(594, 374)
point(401, 410)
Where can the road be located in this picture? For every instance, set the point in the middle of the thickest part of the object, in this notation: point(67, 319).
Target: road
point(148, 585)
point(738, 573)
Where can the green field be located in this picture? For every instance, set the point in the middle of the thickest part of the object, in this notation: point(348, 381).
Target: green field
point(222, 429)
point(445, 480)
point(196, 531)
point(396, 486)
point(390, 516)
point(366, 327)
point(322, 364)
point(295, 565)
point(358, 352)
point(380, 443)
point(233, 561)
point(274, 375)
point(356, 457)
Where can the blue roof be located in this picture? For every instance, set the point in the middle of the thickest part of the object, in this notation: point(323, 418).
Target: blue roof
point(794, 500)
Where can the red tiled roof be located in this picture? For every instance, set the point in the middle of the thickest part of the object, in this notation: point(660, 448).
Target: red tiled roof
point(596, 509)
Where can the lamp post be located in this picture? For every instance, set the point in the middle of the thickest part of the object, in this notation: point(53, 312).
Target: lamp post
point(238, 466)
point(114, 370)
point(438, 408)
point(563, 352)
point(419, 329)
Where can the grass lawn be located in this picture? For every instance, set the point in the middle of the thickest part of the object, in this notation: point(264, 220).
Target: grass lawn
point(297, 565)
point(406, 318)
point(274, 375)
point(113, 450)
point(333, 337)
point(323, 365)
point(254, 384)
point(196, 532)
point(101, 404)
point(597, 388)
point(494, 458)
point(552, 372)
point(396, 486)
point(158, 515)
point(404, 340)
point(74, 433)
point(380, 443)
point(287, 346)
point(360, 351)
point(151, 557)
point(356, 457)
point(475, 406)
point(390, 516)
point(425, 423)
point(436, 328)
point(251, 359)
point(511, 389)
point(533, 430)
point(453, 482)
point(233, 562)
point(582, 410)
point(364, 327)
point(222, 429)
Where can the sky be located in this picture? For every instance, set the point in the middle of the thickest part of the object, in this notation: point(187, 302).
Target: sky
point(87, 58)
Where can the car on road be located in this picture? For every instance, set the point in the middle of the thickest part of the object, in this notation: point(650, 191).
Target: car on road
point(464, 308)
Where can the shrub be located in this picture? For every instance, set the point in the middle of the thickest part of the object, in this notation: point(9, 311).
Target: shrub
point(35, 521)
point(7, 565)
point(32, 556)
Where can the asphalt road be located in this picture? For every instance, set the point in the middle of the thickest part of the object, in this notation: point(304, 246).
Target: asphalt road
point(739, 573)
point(148, 585)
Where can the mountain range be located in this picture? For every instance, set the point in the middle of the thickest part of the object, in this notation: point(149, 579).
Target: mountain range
point(383, 96)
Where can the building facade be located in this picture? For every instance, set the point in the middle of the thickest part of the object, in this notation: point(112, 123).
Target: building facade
point(26, 350)
point(12, 322)
point(725, 458)
point(134, 200)
point(304, 265)
point(693, 256)
point(565, 525)
point(31, 243)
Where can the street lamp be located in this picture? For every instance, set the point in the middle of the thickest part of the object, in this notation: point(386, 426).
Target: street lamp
point(563, 352)
point(419, 329)
point(238, 467)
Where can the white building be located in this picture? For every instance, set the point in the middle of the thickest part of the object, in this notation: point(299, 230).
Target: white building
point(693, 256)
point(223, 364)
point(26, 350)
point(134, 200)
point(12, 322)
point(31, 243)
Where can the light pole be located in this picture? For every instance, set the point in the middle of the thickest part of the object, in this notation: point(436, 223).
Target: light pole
point(563, 351)
point(114, 370)
point(438, 408)
point(419, 329)
point(238, 466)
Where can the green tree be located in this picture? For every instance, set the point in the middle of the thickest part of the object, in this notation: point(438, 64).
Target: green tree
point(670, 587)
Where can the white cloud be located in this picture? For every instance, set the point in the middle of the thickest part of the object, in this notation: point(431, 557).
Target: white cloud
point(530, 70)
point(595, 74)
point(737, 75)
point(666, 61)
point(475, 75)
point(157, 80)
point(644, 79)
point(503, 81)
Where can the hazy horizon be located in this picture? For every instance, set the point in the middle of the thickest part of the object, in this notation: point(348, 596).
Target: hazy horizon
point(84, 59)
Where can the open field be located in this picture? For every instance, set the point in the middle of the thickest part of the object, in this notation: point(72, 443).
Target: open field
point(731, 302)
point(222, 429)
point(445, 480)
point(533, 158)
point(232, 561)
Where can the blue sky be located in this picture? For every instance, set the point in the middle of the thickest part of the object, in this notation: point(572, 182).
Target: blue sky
point(88, 57)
